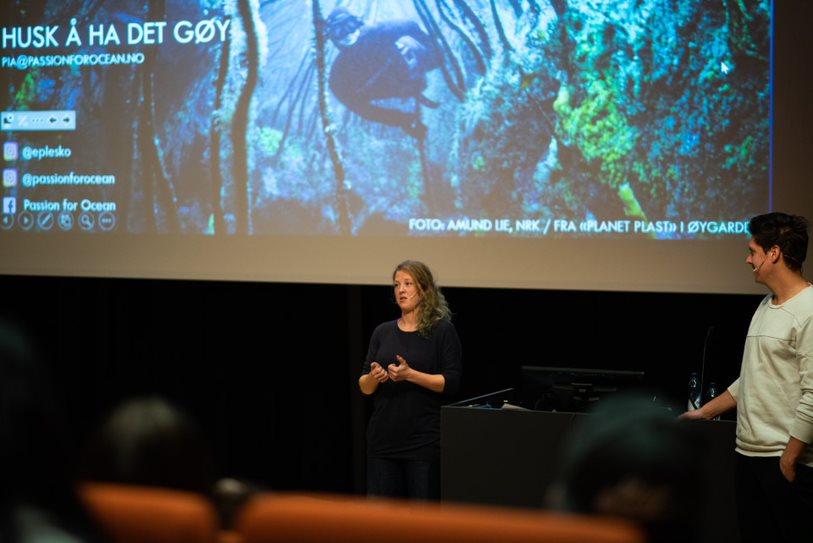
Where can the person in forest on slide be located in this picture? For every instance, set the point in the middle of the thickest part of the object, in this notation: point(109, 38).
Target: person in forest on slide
point(380, 61)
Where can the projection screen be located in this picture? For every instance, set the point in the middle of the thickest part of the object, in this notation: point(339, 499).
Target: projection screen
point(573, 144)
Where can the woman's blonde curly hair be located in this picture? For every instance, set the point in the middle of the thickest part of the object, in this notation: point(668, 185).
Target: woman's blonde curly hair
point(432, 307)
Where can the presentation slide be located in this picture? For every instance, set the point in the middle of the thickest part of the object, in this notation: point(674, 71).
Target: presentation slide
point(530, 119)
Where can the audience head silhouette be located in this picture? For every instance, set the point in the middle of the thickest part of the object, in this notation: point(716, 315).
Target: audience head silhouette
point(148, 441)
point(38, 498)
point(632, 459)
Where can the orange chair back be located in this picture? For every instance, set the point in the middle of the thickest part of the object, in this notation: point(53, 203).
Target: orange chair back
point(130, 514)
point(335, 519)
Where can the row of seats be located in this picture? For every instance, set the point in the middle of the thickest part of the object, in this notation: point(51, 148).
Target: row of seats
point(150, 515)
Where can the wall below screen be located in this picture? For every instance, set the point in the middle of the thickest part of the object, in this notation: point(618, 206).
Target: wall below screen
point(270, 369)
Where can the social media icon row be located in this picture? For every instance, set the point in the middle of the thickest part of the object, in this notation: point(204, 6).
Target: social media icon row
point(64, 220)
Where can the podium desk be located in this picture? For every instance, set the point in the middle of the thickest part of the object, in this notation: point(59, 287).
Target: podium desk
point(510, 458)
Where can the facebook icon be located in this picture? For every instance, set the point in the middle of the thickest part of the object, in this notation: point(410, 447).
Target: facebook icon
point(9, 206)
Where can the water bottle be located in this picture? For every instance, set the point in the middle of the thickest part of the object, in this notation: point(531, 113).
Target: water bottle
point(711, 393)
point(694, 391)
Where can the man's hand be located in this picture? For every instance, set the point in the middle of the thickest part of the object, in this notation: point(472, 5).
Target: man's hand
point(694, 414)
point(790, 456)
point(378, 373)
point(716, 407)
point(400, 371)
point(788, 467)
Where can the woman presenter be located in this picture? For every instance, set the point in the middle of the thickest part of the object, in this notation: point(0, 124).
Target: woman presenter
point(412, 363)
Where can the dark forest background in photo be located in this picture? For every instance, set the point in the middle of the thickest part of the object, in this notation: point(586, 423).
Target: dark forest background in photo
point(653, 110)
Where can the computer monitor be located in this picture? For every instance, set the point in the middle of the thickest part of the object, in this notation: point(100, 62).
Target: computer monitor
point(572, 389)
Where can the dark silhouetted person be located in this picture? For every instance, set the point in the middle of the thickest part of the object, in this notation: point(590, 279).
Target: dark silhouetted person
point(378, 62)
point(634, 460)
point(38, 500)
point(150, 442)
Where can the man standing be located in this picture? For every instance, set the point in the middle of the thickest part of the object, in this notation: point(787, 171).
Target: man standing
point(774, 393)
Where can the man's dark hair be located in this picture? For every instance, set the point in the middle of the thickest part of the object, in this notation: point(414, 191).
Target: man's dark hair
point(788, 232)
